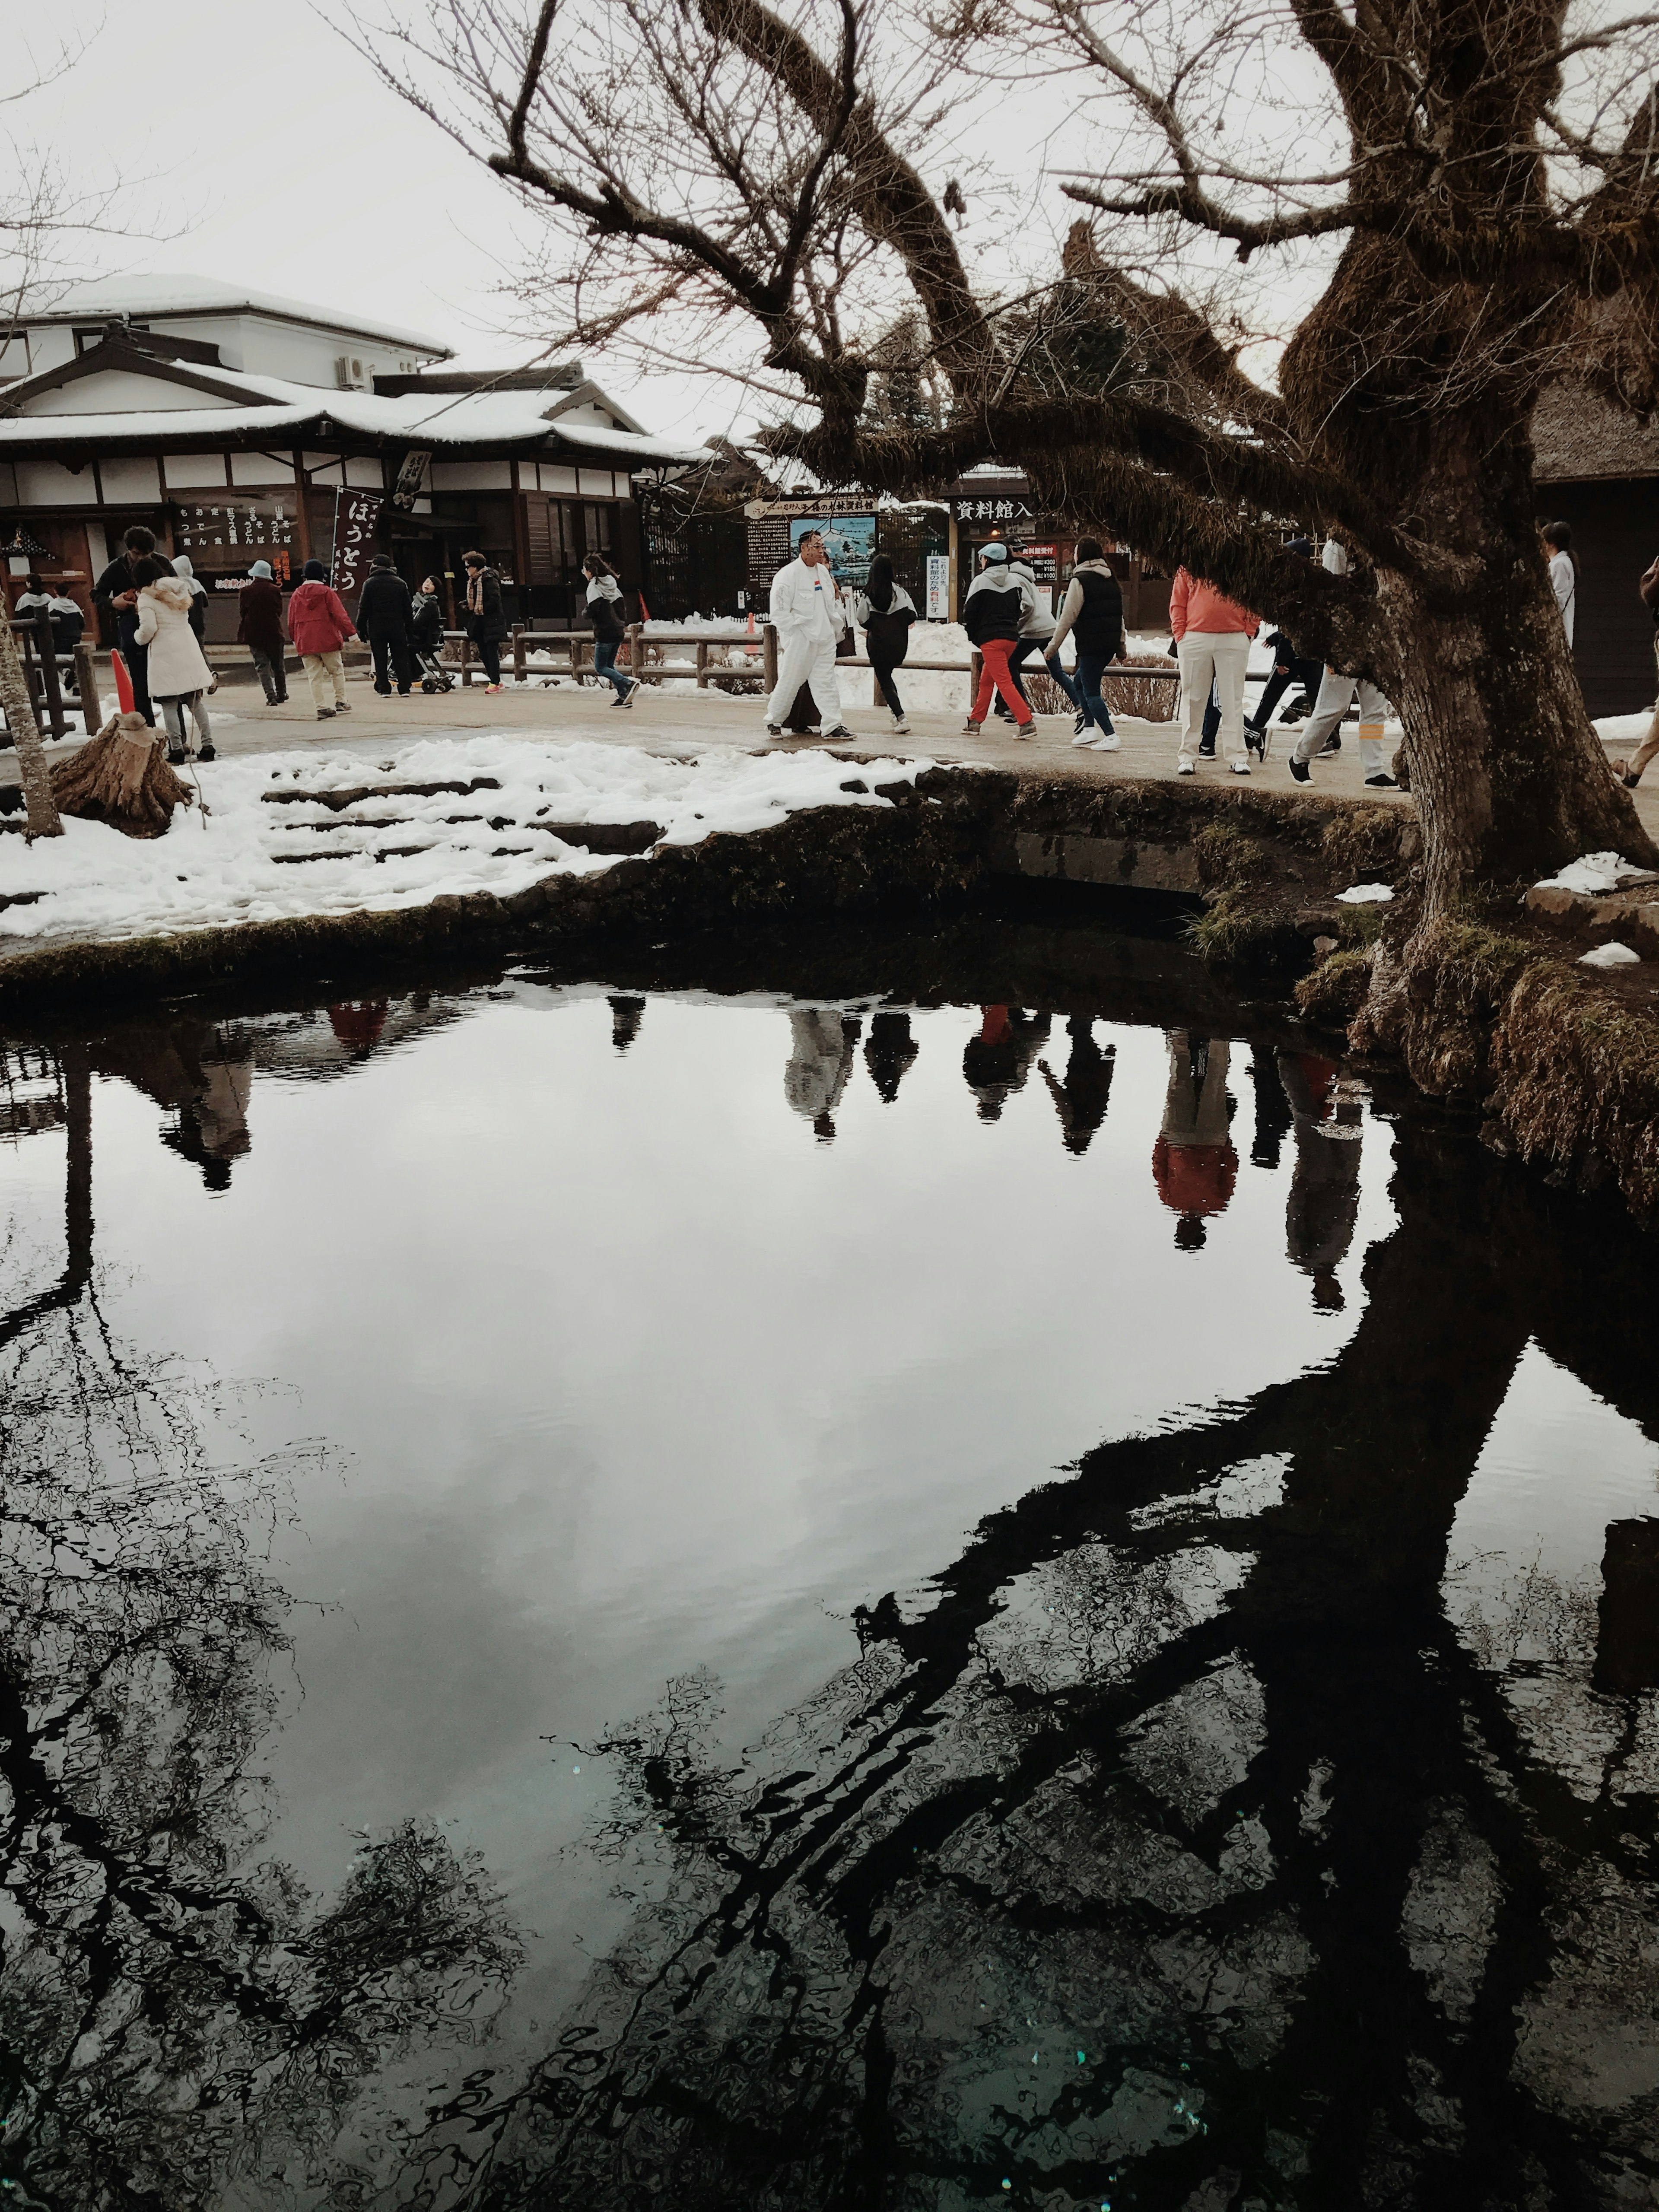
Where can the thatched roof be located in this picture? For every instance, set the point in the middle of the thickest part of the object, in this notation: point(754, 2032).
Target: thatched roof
point(1579, 438)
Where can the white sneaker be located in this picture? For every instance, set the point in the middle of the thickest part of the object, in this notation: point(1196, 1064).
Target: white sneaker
point(1087, 735)
point(901, 728)
point(1240, 767)
point(1185, 767)
point(1111, 743)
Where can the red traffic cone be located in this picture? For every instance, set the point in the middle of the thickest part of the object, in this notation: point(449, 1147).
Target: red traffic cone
point(751, 621)
point(123, 684)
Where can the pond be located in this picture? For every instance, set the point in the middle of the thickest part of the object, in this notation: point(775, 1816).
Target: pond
point(912, 1572)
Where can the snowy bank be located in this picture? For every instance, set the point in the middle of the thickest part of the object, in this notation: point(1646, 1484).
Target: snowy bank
point(263, 851)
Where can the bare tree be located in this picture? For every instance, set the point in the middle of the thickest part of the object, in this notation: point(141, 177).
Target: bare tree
point(1480, 183)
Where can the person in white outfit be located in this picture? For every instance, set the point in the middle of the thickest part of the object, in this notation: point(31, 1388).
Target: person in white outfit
point(808, 619)
point(1564, 573)
point(1337, 694)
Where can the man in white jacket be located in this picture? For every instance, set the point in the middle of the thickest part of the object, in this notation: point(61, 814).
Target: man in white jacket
point(806, 619)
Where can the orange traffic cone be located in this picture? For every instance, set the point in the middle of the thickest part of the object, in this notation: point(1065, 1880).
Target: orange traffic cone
point(123, 684)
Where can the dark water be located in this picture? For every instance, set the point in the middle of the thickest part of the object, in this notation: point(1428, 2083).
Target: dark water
point(663, 1593)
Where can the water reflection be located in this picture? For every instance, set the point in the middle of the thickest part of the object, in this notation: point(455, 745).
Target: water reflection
point(1183, 1841)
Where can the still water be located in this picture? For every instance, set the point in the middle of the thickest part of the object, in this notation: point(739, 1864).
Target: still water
point(659, 1592)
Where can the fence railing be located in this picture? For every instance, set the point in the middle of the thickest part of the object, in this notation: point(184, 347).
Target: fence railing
point(42, 667)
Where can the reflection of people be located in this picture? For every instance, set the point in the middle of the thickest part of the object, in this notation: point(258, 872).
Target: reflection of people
point(1273, 1115)
point(807, 619)
point(820, 1060)
point(888, 1053)
point(1081, 1100)
point(1324, 1201)
point(358, 1027)
point(997, 1062)
point(212, 1127)
point(1194, 1163)
point(626, 1015)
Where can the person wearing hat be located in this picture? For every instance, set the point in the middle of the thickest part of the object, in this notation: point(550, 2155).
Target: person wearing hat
point(384, 612)
point(260, 629)
point(320, 625)
point(997, 603)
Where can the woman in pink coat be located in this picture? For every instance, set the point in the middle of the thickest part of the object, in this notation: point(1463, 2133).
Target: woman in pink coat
point(320, 625)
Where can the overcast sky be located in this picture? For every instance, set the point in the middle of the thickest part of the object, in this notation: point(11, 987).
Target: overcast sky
point(253, 133)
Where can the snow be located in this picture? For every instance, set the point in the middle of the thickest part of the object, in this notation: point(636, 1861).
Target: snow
point(1594, 875)
point(236, 863)
point(1366, 894)
point(1624, 729)
point(1610, 955)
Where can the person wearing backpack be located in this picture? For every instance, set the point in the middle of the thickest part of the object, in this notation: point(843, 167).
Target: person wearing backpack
point(996, 605)
point(884, 611)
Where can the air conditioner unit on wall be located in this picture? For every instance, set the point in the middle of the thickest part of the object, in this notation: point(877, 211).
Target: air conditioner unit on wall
point(348, 373)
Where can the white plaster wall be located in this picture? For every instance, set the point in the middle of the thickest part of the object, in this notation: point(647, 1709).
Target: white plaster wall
point(130, 477)
point(471, 475)
point(194, 471)
point(360, 475)
point(120, 391)
point(45, 483)
point(261, 469)
point(557, 479)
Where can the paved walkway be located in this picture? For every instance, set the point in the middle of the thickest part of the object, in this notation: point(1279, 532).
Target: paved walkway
point(684, 720)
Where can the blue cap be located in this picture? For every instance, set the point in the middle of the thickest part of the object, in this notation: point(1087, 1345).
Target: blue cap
point(996, 551)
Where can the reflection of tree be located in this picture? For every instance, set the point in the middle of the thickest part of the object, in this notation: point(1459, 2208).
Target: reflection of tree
point(1179, 1836)
point(175, 2019)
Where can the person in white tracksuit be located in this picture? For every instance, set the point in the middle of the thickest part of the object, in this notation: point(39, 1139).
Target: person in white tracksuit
point(1336, 694)
point(805, 616)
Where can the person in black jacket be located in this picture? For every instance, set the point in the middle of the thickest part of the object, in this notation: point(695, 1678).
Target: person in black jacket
point(384, 615)
point(117, 589)
point(426, 624)
point(996, 605)
point(1093, 611)
point(606, 611)
point(486, 617)
point(1289, 667)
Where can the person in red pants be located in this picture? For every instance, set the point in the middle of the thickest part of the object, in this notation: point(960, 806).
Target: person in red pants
point(996, 605)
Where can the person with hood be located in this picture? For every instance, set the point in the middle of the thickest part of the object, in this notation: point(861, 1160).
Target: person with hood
point(383, 614)
point(486, 617)
point(117, 588)
point(1037, 634)
point(804, 615)
point(68, 627)
point(320, 625)
point(185, 568)
point(604, 612)
point(996, 605)
point(1092, 612)
point(34, 599)
point(426, 624)
point(260, 628)
point(1213, 635)
point(884, 611)
point(178, 674)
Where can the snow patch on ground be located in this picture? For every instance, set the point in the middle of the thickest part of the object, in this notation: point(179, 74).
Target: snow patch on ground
point(237, 863)
point(1624, 729)
point(1610, 955)
point(1593, 875)
point(1366, 894)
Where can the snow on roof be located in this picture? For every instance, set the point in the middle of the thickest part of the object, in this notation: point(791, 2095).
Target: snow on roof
point(200, 296)
point(435, 419)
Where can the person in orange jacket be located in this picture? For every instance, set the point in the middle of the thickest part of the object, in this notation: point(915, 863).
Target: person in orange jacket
point(1213, 635)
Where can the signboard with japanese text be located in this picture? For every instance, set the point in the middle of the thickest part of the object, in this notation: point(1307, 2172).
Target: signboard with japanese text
point(768, 551)
point(938, 587)
point(848, 539)
point(357, 525)
point(410, 477)
point(799, 509)
point(227, 534)
point(996, 507)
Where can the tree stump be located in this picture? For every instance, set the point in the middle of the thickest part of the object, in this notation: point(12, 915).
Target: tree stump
point(122, 778)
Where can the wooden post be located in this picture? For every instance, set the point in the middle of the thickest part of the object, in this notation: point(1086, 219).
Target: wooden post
point(582, 657)
point(702, 663)
point(976, 662)
point(301, 512)
point(636, 649)
point(39, 807)
point(466, 660)
point(517, 653)
point(769, 657)
point(86, 680)
point(46, 646)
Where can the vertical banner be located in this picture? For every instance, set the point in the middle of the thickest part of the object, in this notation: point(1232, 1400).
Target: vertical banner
point(356, 521)
point(939, 587)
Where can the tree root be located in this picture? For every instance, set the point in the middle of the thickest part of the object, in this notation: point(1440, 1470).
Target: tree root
point(122, 778)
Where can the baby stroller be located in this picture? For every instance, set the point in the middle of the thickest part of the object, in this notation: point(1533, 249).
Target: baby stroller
point(435, 677)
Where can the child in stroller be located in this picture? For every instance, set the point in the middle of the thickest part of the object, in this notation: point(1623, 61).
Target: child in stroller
point(427, 635)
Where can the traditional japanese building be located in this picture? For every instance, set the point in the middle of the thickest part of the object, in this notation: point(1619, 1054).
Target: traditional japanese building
point(239, 427)
point(1598, 468)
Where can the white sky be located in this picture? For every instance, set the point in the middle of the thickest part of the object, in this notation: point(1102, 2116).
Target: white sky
point(251, 132)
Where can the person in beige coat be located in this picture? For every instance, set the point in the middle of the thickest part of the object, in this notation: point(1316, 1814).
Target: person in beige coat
point(178, 674)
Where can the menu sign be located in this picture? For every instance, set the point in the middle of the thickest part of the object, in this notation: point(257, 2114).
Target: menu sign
point(230, 533)
point(357, 525)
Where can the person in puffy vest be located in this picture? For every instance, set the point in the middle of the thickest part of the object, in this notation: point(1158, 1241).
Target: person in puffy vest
point(1091, 614)
point(998, 602)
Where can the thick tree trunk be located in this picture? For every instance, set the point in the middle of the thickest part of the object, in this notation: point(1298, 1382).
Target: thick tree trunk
point(42, 808)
